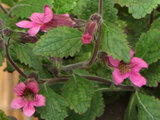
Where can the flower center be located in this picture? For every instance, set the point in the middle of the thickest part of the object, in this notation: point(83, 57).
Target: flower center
point(124, 67)
point(28, 94)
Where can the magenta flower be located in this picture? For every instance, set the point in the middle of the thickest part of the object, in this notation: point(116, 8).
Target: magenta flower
point(28, 97)
point(45, 21)
point(37, 21)
point(89, 32)
point(124, 70)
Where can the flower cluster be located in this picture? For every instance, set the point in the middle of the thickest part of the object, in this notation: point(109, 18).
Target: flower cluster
point(45, 21)
point(124, 70)
point(28, 97)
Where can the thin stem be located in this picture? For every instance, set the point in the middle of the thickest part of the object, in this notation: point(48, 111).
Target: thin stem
point(92, 78)
point(96, 47)
point(74, 66)
point(12, 62)
point(114, 89)
point(151, 18)
point(4, 10)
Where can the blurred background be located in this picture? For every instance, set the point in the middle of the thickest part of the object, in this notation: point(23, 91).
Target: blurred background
point(7, 83)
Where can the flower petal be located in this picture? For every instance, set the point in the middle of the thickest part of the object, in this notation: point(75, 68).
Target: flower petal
point(131, 53)
point(48, 14)
point(137, 79)
point(138, 64)
point(24, 24)
point(114, 62)
point(19, 89)
point(118, 77)
point(67, 15)
point(39, 101)
point(37, 17)
point(33, 31)
point(32, 85)
point(17, 103)
point(28, 109)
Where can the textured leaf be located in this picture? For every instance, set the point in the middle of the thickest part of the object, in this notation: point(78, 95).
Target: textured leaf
point(55, 108)
point(148, 107)
point(25, 55)
point(64, 6)
point(139, 8)
point(131, 112)
point(3, 116)
point(152, 74)
point(5, 18)
point(2, 56)
point(148, 46)
point(26, 7)
point(96, 109)
point(88, 7)
point(78, 92)
point(114, 42)
point(59, 42)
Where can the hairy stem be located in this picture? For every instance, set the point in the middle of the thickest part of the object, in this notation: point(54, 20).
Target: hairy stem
point(12, 62)
point(151, 18)
point(96, 47)
point(92, 78)
point(74, 66)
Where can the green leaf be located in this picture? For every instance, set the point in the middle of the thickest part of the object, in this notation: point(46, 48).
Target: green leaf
point(64, 6)
point(152, 74)
point(9, 2)
point(131, 112)
point(2, 56)
point(59, 42)
point(25, 55)
point(148, 107)
point(9, 68)
point(88, 7)
point(139, 8)
point(114, 42)
point(78, 92)
point(148, 46)
point(96, 109)
point(5, 18)
point(55, 108)
point(26, 7)
point(3, 116)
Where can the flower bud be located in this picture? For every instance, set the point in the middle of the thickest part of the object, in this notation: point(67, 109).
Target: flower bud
point(19, 36)
point(89, 32)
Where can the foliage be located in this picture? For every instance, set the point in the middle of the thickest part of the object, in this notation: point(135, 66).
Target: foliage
point(74, 76)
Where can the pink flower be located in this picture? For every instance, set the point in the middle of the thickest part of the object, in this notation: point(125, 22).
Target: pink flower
point(59, 20)
point(28, 97)
point(124, 70)
point(37, 21)
point(89, 32)
point(45, 21)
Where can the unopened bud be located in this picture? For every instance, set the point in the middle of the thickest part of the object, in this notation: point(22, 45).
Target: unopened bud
point(105, 59)
point(25, 38)
point(19, 36)
point(89, 32)
point(96, 17)
point(7, 32)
